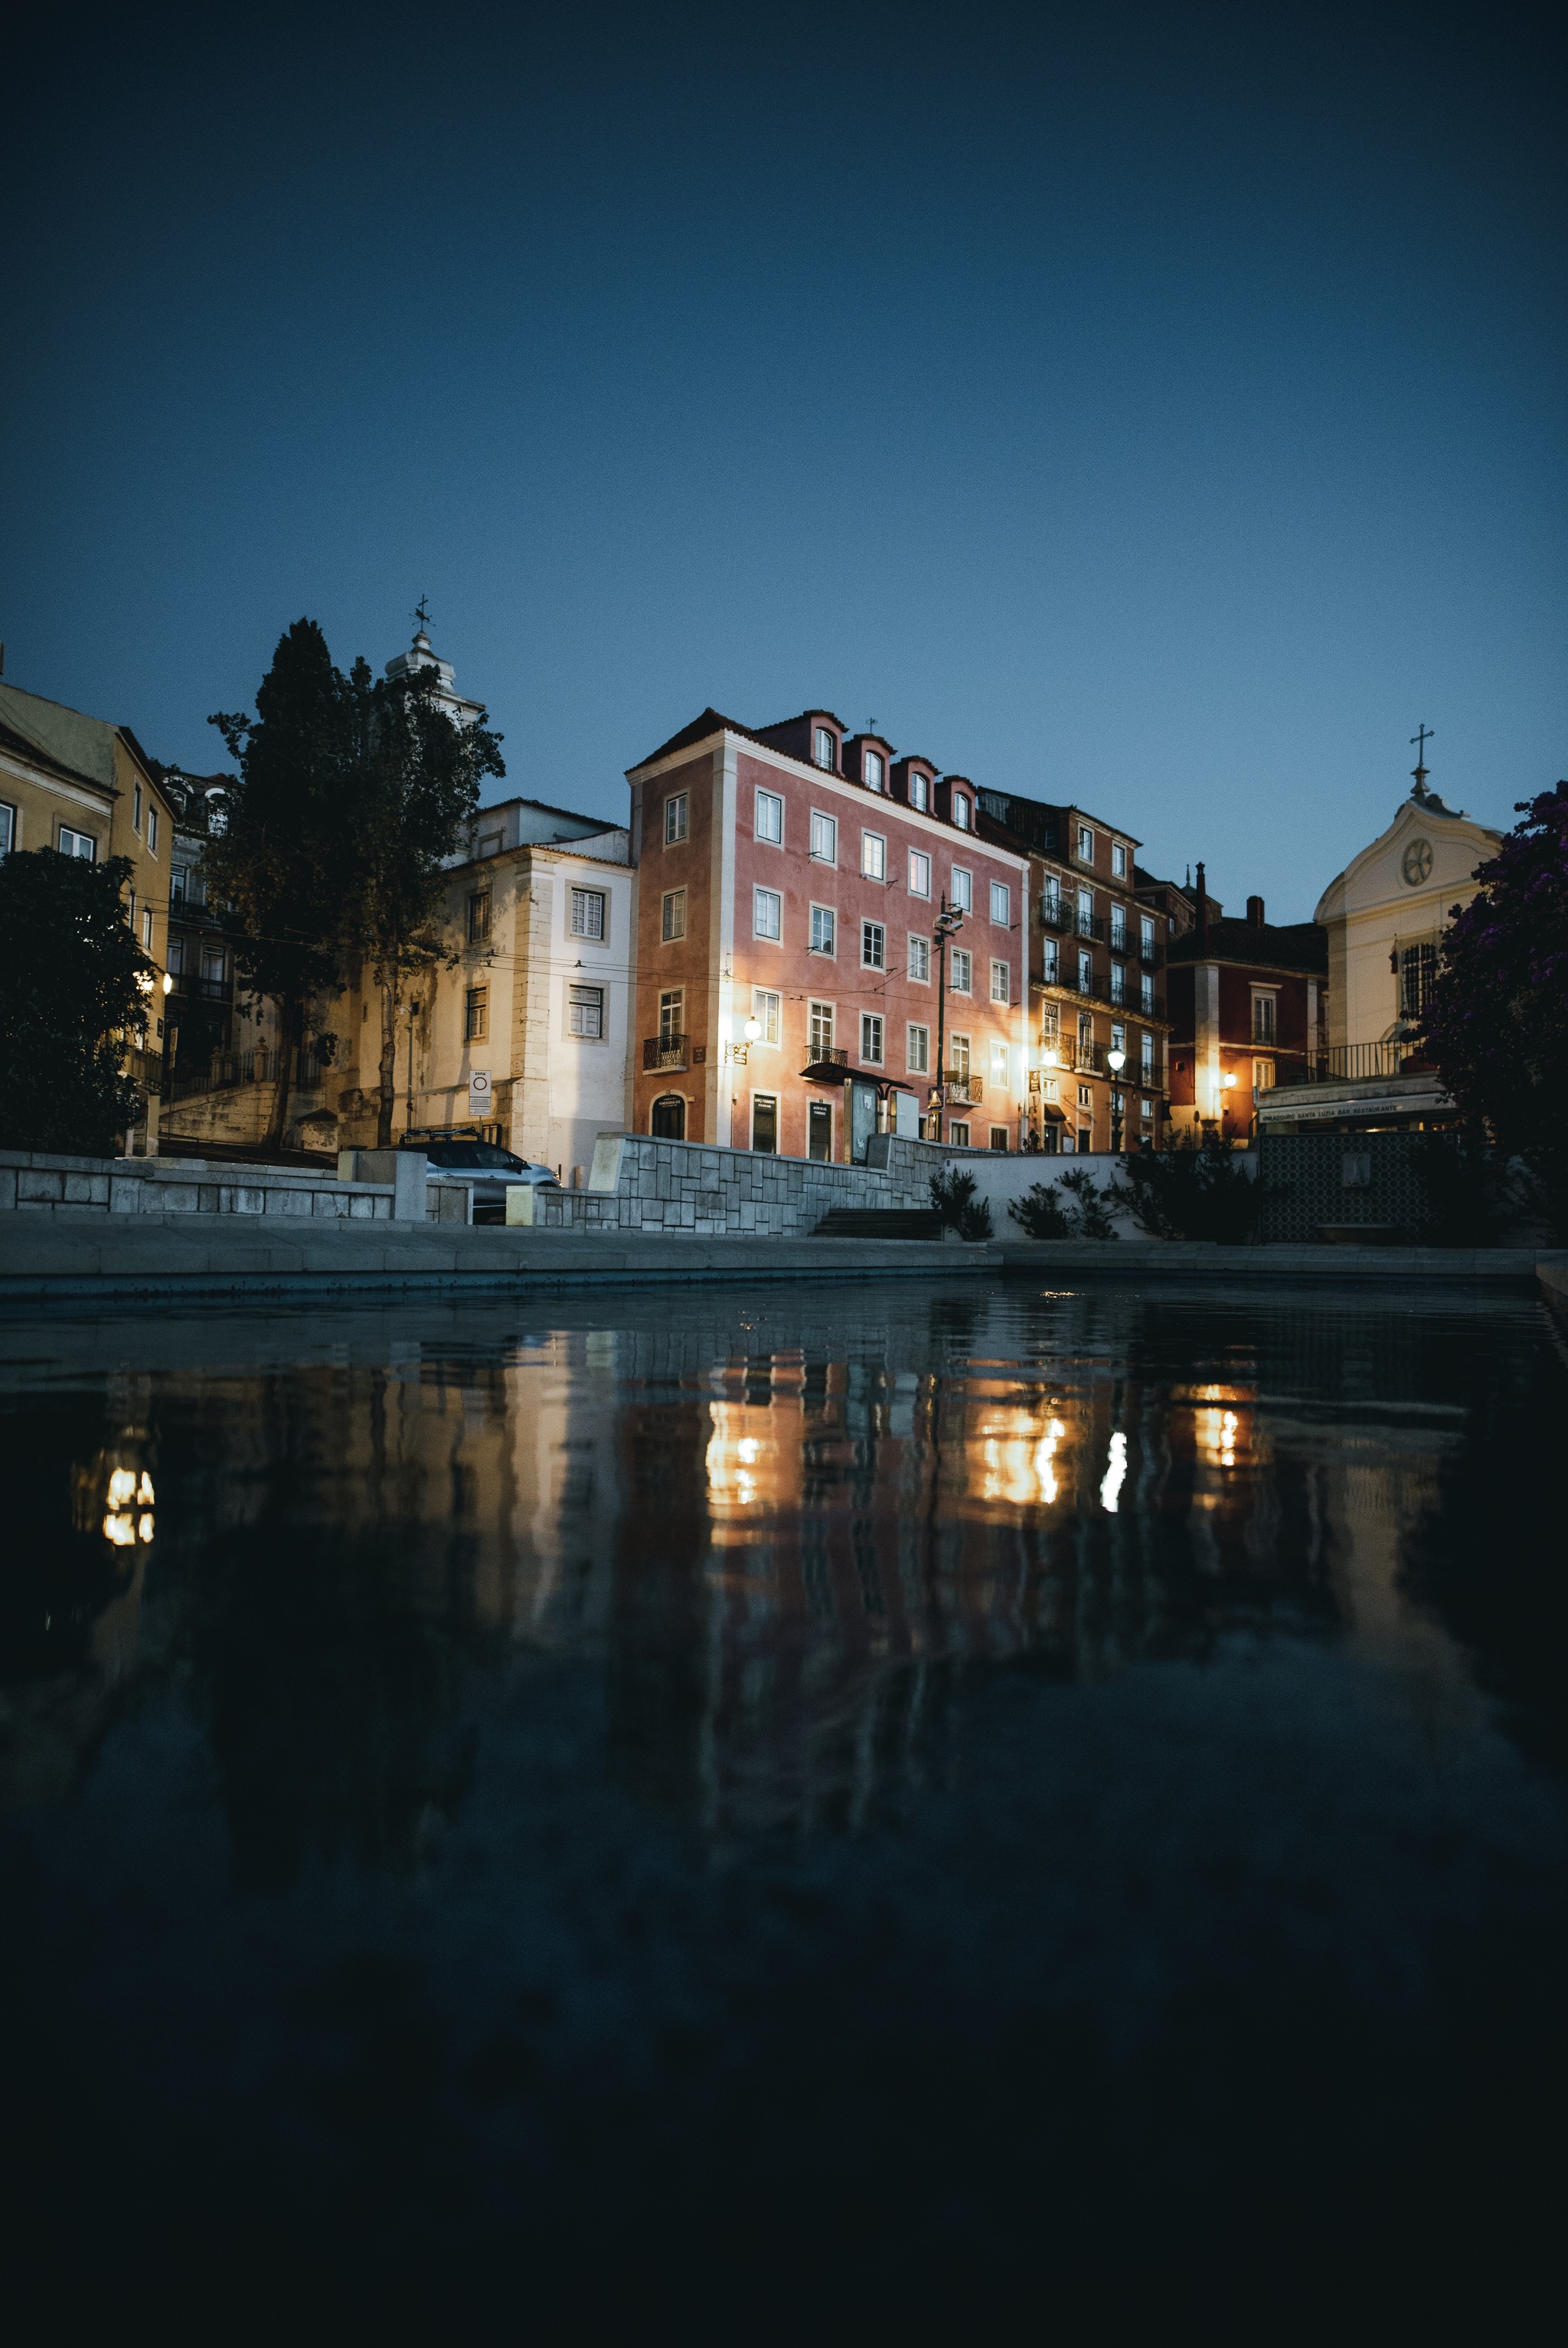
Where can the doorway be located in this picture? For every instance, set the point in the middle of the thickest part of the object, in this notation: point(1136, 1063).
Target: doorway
point(669, 1121)
point(819, 1132)
point(765, 1123)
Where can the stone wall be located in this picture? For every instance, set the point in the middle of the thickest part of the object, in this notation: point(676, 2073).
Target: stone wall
point(640, 1184)
point(40, 1182)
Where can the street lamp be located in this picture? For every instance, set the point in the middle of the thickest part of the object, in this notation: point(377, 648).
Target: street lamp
point(753, 1028)
point(1115, 1060)
point(950, 918)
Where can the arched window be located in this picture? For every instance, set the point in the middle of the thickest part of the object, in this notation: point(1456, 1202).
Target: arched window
point(669, 1121)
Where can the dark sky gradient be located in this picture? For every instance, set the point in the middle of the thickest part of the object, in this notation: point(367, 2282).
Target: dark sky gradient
point(1164, 411)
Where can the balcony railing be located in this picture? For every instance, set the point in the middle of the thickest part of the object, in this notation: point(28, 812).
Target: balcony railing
point(1346, 1063)
point(1149, 955)
point(825, 1064)
point(1069, 922)
point(959, 1091)
point(187, 988)
point(663, 1052)
point(228, 1071)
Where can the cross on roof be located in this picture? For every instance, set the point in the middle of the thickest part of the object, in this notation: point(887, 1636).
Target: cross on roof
point(421, 615)
point(1420, 738)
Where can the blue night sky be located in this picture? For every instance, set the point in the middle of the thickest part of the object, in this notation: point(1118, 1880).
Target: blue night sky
point(1164, 412)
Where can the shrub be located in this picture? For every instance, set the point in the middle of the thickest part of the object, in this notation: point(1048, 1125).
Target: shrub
point(1092, 1219)
point(1041, 1214)
point(953, 1197)
point(1467, 1191)
point(1189, 1192)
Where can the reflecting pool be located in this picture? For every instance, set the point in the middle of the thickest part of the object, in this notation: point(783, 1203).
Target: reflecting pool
point(822, 1814)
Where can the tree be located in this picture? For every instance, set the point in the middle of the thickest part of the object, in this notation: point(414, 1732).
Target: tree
point(416, 790)
point(954, 1200)
point(70, 1001)
point(287, 842)
point(1497, 1023)
point(1190, 1190)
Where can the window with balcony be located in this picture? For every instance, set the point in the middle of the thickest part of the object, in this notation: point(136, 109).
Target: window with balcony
point(1002, 903)
point(1119, 982)
point(672, 1013)
point(919, 960)
point(475, 1014)
point(872, 770)
point(958, 1058)
point(1146, 1058)
point(585, 1013)
point(874, 855)
point(824, 839)
point(478, 917)
point(1086, 912)
point(767, 913)
point(1146, 936)
point(873, 946)
point(824, 930)
point(1264, 1002)
point(917, 1050)
point(819, 1029)
point(871, 1038)
point(919, 874)
point(825, 748)
point(962, 889)
point(1085, 974)
point(1050, 962)
point(672, 915)
point(587, 913)
point(1119, 928)
point(769, 817)
point(1146, 994)
point(1051, 899)
point(962, 971)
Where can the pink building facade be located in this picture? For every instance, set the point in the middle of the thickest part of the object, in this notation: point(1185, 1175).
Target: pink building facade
point(792, 995)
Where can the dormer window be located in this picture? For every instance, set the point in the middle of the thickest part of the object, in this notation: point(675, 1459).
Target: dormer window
point(961, 810)
point(827, 749)
point(920, 793)
point(872, 770)
point(1119, 861)
point(1085, 844)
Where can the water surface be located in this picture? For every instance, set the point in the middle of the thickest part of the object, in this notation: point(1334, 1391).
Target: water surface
point(836, 1813)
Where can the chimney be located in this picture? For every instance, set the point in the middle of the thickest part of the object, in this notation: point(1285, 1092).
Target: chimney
point(1203, 908)
point(1255, 911)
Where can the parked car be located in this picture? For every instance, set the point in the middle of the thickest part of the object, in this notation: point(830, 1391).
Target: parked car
point(494, 1170)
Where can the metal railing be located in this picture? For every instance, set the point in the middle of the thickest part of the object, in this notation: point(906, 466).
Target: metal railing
point(188, 988)
point(1149, 955)
point(960, 1091)
point(228, 1071)
point(663, 1052)
point(830, 1058)
point(1069, 922)
point(1347, 1063)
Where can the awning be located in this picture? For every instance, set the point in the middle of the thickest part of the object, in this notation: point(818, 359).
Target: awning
point(1056, 1115)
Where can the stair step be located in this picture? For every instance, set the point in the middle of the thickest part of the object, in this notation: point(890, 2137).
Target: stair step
point(880, 1223)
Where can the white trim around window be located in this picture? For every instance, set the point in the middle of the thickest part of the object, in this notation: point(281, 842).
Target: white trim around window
point(676, 817)
point(672, 916)
point(824, 930)
point(824, 837)
point(767, 914)
point(917, 1049)
point(769, 818)
point(873, 1028)
point(962, 889)
point(919, 874)
point(1001, 904)
point(1001, 981)
point(874, 855)
point(919, 959)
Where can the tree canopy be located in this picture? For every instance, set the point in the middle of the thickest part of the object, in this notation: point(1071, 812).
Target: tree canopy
point(69, 1002)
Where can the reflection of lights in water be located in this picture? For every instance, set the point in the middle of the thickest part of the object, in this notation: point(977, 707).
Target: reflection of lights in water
point(742, 1470)
point(121, 1530)
point(122, 1487)
point(1217, 1433)
point(1017, 1460)
point(1115, 1474)
point(120, 1526)
point(144, 1529)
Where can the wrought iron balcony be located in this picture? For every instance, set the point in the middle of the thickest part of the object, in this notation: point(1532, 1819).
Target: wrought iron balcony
point(826, 1063)
point(1149, 955)
point(188, 988)
point(1346, 1063)
point(960, 1091)
point(664, 1053)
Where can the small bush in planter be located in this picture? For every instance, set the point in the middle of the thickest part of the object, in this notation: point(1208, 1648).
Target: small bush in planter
point(953, 1197)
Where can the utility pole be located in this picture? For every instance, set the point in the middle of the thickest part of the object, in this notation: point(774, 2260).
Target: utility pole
point(949, 920)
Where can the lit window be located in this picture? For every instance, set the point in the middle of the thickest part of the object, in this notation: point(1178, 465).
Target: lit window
point(674, 818)
point(827, 749)
point(475, 1014)
point(587, 913)
point(822, 929)
point(920, 793)
point(871, 1038)
point(770, 817)
point(962, 889)
point(919, 960)
point(917, 1051)
point(874, 855)
point(1001, 981)
point(585, 1012)
point(672, 911)
point(873, 770)
point(999, 1065)
point(919, 874)
point(963, 970)
point(824, 839)
point(1002, 903)
point(873, 946)
point(961, 810)
point(767, 913)
point(1263, 1076)
point(1119, 861)
point(478, 917)
point(766, 1009)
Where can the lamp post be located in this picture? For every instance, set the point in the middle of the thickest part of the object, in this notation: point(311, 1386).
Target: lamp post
point(1115, 1060)
point(949, 920)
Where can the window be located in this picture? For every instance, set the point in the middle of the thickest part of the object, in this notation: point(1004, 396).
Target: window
point(873, 946)
point(917, 1050)
point(1118, 1037)
point(961, 810)
point(1119, 928)
point(178, 883)
point(672, 1013)
point(136, 808)
point(767, 913)
point(1119, 982)
point(587, 913)
point(871, 1038)
point(674, 818)
point(672, 915)
point(478, 917)
point(1085, 844)
point(214, 965)
point(958, 1133)
point(1146, 936)
point(820, 1028)
point(1086, 912)
point(1050, 963)
point(7, 828)
point(1146, 994)
point(1001, 983)
point(1417, 969)
point(130, 912)
point(770, 817)
point(1262, 1017)
point(958, 1058)
point(1086, 974)
point(824, 839)
point(667, 1122)
point(1052, 1087)
point(475, 1014)
point(919, 874)
point(825, 749)
point(491, 844)
point(177, 957)
point(920, 793)
point(819, 1132)
point(998, 1137)
point(585, 1012)
point(874, 855)
point(1051, 899)
point(962, 889)
point(1086, 1097)
point(1146, 1112)
point(766, 1009)
point(872, 770)
point(78, 843)
point(1119, 861)
point(999, 1065)
point(765, 1123)
point(963, 970)
point(823, 927)
point(1146, 1058)
point(147, 928)
point(1263, 1076)
point(152, 831)
point(1002, 903)
point(919, 961)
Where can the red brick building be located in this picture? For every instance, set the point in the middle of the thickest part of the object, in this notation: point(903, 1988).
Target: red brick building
point(1248, 1003)
point(793, 995)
